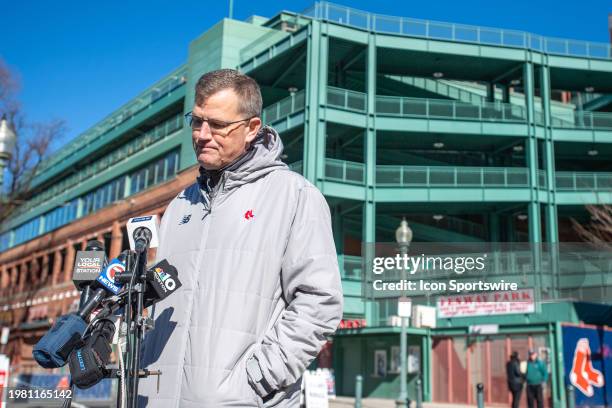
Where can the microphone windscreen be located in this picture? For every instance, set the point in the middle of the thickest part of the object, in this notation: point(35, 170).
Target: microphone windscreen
point(162, 281)
point(94, 245)
point(54, 348)
point(87, 267)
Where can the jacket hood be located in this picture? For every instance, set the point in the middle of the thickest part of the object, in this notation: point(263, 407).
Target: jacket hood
point(265, 153)
point(260, 159)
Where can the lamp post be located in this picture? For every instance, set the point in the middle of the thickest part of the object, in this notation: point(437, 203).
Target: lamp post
point(7, 144)
point(403, 236)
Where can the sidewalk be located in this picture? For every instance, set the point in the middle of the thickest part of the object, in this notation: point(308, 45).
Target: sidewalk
point(347, 402)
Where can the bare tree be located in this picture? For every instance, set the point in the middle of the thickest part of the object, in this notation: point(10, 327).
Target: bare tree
point(34, 142)
point(599, 230)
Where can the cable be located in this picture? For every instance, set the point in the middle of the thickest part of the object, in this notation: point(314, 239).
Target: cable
point(122, 374)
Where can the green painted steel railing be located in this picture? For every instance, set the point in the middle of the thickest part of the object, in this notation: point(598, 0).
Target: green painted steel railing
point(450, 223)
point(284, 107)
point(440, 87)
point(350, 267)
point(428, 108)
point(585, 120)
point(411, 27)
point(346, 99)
point(446, 109)
point(159, 90)
point(542, 183)
point(249, 61)
point(443, 176)
point(464, 176)
point(583, 181)
point(344, 171)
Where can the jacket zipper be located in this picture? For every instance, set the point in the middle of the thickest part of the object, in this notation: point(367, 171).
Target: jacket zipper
point(219, 191)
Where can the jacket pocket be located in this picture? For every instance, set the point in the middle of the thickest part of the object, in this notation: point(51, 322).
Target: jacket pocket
point(237, 382)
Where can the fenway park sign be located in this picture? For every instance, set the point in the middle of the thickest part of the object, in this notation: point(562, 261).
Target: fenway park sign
point(486, 304)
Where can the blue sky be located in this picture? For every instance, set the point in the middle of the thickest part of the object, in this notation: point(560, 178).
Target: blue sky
point(80, 60)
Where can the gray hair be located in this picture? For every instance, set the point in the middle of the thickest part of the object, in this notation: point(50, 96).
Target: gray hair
point(246, 88)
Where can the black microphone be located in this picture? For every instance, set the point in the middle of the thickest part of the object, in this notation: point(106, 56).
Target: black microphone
point(87, 266)
point(163, 281)
point(88, 363)
point(143, 233)
point(142, 238)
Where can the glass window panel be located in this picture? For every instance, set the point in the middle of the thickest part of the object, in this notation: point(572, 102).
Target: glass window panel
point(171, 165)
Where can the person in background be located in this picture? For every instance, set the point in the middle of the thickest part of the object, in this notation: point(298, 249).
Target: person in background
point(515, 378)
point(537, 376)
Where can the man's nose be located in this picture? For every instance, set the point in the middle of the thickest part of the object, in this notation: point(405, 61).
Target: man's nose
point(204, 134)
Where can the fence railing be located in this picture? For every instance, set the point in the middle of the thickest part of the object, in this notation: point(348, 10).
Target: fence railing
point(460, 176)
point(284, 107)
point(425, 107)
point(436, 30)
point(264, 53)
point(459, 110)
point(583, 181)
point(584, 120)
point(443, 176)
point(542, 183)
point(447, 109)
point(345, 171)
point(441, 88)
point(350, 266)
point(346, 99)
point(451, 223)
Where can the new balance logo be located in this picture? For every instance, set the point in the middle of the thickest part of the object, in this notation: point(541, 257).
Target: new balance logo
point(185, 219)
point(249, 214)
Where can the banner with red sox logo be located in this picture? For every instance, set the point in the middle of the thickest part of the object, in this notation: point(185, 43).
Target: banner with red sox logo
point(587, 357)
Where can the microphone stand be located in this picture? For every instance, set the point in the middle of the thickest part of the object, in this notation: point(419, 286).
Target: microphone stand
point(139, 320)
point(137, 325)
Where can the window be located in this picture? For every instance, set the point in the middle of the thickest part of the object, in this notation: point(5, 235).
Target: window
point(154, 173)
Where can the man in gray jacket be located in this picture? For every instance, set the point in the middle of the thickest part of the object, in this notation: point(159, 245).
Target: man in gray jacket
point(253, 245)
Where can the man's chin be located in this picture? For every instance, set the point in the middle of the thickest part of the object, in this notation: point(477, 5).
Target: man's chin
point(206, 165)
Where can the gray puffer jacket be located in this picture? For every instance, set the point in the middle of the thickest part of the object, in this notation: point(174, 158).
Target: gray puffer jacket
point(261, 288)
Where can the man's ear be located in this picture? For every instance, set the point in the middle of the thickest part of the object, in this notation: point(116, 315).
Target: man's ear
point(254, 127)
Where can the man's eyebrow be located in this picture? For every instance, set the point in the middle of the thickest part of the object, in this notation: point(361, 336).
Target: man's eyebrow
point(213, 119)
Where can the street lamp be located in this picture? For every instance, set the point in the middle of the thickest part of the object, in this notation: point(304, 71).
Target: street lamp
point(7, 144)
point(403, 236)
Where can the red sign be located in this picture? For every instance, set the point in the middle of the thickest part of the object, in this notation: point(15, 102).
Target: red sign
point(486, 304)
point(352, 324)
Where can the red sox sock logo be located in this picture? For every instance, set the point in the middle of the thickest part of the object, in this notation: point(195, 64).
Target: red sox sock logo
point(583, 376)
point(249, 214)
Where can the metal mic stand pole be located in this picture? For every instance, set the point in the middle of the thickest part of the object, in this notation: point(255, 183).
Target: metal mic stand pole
point(85, 296)
point(129, 262)
point(139, 323)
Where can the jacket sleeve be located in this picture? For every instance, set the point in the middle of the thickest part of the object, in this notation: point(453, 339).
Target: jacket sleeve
point(311, 287)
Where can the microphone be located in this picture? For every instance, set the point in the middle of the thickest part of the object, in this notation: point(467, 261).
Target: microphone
point(143, 232)
point(88, 363)
point(163, 281)
point(104, 283)
point(87, 266)
point(53, 350)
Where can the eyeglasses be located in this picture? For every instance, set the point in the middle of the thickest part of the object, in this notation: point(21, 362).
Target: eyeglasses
point(216, 126)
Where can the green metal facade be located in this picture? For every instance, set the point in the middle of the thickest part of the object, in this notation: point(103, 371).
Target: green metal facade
point(388, 117)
